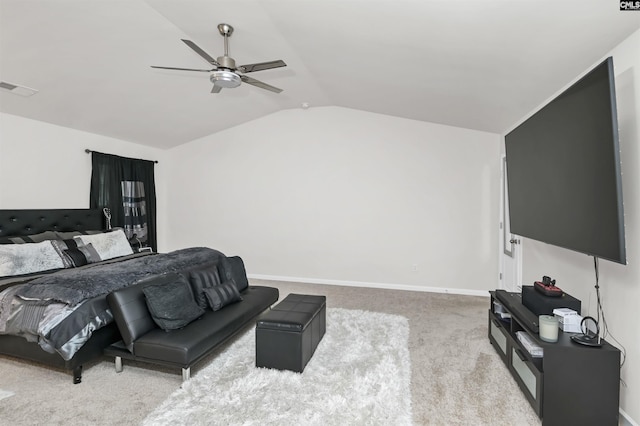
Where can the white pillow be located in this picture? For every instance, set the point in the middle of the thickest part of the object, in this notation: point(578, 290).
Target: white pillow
point(108, 245)
point(19, 259)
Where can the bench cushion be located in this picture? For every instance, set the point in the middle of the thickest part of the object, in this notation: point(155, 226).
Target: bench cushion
point(294, 313)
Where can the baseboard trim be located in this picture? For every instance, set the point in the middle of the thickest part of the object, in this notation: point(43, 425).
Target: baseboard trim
point(387, 286)
point(626, 420)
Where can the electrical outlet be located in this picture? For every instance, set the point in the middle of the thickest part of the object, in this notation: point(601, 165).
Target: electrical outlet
point(414, 267)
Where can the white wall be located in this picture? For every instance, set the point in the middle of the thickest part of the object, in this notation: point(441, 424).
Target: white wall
point(620, 285)
point(344, 196)
point(45, 166)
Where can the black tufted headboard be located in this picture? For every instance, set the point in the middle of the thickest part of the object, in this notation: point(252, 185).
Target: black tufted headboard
point(18, 223)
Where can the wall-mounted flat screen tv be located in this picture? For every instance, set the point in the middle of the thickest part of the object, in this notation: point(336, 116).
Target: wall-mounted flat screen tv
point(563, 170)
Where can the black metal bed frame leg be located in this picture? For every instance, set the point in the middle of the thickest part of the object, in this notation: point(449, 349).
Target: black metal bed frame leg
point(77, 375)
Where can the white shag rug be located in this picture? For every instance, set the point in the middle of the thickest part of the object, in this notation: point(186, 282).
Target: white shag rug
point(5, 394)
point(359, 374)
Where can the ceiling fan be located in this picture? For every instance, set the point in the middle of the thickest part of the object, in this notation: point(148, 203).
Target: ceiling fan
point(225, 73)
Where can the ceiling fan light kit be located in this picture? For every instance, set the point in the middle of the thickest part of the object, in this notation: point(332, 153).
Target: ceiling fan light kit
point(226, 79)
point(226, 74)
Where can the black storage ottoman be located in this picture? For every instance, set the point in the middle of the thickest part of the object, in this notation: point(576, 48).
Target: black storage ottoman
point(288, 335)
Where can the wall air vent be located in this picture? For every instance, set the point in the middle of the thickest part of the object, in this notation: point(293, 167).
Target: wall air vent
point(17, 90)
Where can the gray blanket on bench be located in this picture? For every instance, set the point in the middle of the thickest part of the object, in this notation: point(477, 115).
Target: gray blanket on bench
point(72, 286)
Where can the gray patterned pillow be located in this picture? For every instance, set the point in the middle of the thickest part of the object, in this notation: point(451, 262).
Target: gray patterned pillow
point(108, 245)
point(20, 259)
point(74, 254)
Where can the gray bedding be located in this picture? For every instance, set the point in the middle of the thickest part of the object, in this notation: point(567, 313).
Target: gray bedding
point(62, 309)
point(72, 286)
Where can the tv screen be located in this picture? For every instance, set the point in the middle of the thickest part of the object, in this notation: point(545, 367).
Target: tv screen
point(563, 170)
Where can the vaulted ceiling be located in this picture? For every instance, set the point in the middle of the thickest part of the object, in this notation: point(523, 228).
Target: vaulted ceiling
point(478, 64)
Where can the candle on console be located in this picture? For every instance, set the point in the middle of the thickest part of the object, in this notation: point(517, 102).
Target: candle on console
point(548, 325)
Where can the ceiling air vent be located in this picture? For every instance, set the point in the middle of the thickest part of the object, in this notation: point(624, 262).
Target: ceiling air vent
point(17, 90)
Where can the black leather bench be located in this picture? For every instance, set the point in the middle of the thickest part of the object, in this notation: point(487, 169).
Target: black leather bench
point(288, 335)
point(143, 340)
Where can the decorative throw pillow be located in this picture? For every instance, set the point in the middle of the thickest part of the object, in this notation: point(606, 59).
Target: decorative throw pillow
point(171, 302)
point(201, 277)
point(35, 238)
point(71, 234)
point(239, 273)
point(98, 231)
point(82, 255)
point(20, 259)
point(74, 254)
point(224, 269)
point(108, 245)
point(60, 246)
point(67, 235)
point(222, 295)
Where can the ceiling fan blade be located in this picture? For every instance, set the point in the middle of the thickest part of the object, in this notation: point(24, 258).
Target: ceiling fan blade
point(258, 83)
point(200, 52)
point(261, 66)
point(181, 69)
point(216, 89)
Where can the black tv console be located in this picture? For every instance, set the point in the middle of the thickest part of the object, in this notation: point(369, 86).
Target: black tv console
point(570, 383)
point(513, 303)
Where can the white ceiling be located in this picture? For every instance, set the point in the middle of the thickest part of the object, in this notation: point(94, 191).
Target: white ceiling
point(478, 64)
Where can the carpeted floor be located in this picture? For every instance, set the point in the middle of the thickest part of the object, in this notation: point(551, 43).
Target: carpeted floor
point(457, 378)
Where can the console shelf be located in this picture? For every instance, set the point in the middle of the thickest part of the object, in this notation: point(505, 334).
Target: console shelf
point(570, 383)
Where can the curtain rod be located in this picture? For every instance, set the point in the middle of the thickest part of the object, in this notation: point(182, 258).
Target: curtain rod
point(88, 151)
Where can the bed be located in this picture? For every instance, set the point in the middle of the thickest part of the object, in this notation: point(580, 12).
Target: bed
point(59, 316)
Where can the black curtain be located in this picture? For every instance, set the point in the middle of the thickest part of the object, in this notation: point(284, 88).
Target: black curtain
point(127, 187)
